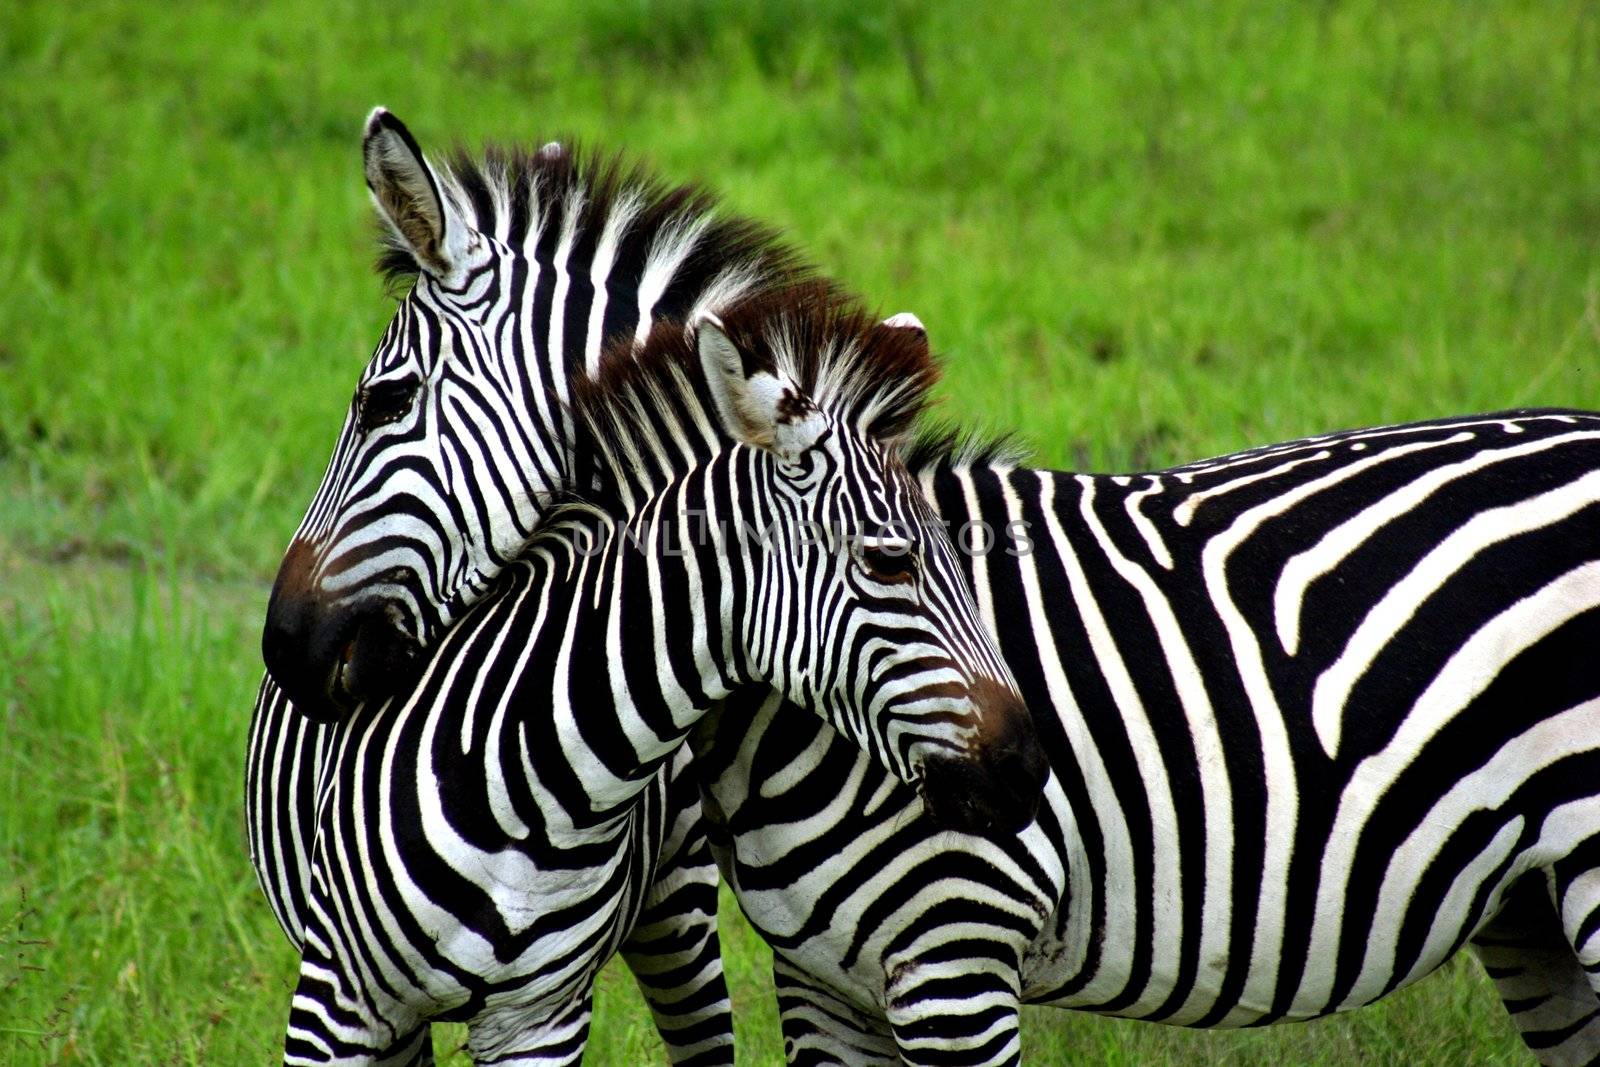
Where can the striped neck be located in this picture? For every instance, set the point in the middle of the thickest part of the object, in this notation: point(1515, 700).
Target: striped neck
point(590, 609)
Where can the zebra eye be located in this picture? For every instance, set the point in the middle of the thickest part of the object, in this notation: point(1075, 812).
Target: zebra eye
point(384, 402)
point(889, 559)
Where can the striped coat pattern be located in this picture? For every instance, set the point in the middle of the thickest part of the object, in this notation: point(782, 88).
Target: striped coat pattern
point(1192, 801)
point(486, 844)
point(1320, 714)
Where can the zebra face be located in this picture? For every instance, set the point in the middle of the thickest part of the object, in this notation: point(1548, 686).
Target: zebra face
point(439, 474)
point(863, 612)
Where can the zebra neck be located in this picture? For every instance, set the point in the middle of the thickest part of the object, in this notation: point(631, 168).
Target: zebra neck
point(614, 682)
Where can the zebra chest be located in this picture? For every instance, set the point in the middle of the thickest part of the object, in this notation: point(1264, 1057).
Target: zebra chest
point(498, 894)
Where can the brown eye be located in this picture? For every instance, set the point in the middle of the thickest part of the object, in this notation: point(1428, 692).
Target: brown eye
point(889, 560)
point(384, 402)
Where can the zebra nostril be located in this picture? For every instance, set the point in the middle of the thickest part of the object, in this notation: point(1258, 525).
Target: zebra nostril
point(376, 660)
point(341, 680)
point(1021, 772)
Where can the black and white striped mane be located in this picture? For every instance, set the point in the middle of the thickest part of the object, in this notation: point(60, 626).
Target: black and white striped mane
point(946, 446)
point(779, 312)
point(524, 198)
point(646, 415)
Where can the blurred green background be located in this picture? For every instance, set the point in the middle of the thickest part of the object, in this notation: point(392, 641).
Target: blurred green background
point(1141, 232)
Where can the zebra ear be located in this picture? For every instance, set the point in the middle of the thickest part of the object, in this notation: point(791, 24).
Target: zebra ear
point(894, 410)
point(409, 198)
point(905, 320)
point(758, 406)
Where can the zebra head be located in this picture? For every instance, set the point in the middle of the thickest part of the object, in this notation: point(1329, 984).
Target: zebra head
point(844, 589)
point(525, 264)
point(443, 465)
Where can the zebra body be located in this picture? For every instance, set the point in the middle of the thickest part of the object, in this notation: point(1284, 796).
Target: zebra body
point(485, 844)
point(660, 913)
point(1319, 714)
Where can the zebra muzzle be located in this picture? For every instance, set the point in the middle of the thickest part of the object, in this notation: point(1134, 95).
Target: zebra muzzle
point(996, 789)
point(328, 663)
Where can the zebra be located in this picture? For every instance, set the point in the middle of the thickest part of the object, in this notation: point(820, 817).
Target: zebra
point(486, 842)
point(1097, 538)
point(525, 264)
point(520, 267)
point(1319, 714)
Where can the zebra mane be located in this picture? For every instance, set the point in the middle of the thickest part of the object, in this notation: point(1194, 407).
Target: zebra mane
point(524, 197)
point(950, 446)
point(647, 415)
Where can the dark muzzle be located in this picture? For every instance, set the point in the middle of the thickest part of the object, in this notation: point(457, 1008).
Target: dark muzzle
point(998, 789)
point(327, 662)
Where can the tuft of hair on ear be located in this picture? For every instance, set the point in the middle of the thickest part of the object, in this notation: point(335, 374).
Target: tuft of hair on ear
point(869, 374)
point(729, 382)
point(905, 320)
point(396, 266)
point(745, 328)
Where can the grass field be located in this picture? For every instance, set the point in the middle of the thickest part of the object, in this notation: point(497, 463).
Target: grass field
point(1141, 232)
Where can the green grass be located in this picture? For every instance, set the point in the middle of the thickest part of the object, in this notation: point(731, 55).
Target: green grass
point(1141, 233)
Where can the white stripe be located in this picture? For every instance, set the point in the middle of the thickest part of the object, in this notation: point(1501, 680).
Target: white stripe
point(1277, 763)
point(1462, 678)
point(570, 212)
point(1122, 904)
point(1338, 543)
point(605, 256)
point(1184, 513)
point(1331, 694)
point(1142, 524)
point(670, 248)
point(1216, 891)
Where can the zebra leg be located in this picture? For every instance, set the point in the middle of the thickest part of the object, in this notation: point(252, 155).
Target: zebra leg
point(676, 959)
point(1542, 983)
point(327, 1025)
point(965, 1010)
point(335, 1018)
point(415, 1050)
point(1576, 879)
point(674, 952)
point(286, 774)
point(821, 1029)
point(286, 766)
